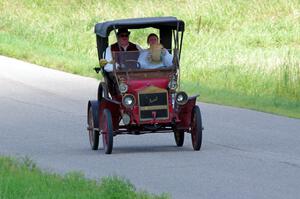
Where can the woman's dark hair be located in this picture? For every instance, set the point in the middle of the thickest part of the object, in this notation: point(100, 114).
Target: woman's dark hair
point(150, 35)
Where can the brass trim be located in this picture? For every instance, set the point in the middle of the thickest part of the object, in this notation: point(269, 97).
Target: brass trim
point(153, 89)
point(149, 108)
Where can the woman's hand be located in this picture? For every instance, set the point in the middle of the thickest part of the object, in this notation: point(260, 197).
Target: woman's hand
point(163, 52)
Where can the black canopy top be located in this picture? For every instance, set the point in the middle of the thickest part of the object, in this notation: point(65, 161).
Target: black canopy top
point(103, 29)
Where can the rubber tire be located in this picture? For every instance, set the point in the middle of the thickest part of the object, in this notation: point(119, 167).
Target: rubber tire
point(196, 128)
point(107, 137)
point(102, 91)
point(179, 137)
point(93, 134)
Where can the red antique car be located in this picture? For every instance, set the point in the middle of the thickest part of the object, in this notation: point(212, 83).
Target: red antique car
point(136, 100)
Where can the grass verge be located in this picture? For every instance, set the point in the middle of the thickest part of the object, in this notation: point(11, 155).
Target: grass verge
point(250, 50)
point(275, 105)
point(22, 179)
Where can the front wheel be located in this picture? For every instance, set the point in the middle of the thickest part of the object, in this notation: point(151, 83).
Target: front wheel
point(196, 128)
point(179, 137)
point(107, 131)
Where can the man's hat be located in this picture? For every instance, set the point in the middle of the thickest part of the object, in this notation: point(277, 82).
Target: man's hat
point(123, 30)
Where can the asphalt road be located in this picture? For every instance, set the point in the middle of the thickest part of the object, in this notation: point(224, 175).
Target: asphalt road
point(245, 154)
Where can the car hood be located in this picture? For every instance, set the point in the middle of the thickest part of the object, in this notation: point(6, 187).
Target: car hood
point(140, 84)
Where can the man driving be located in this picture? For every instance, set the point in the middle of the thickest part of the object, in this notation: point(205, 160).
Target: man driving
point(122, 44)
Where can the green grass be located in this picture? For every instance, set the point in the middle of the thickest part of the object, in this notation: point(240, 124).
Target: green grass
point(239, 53)
point(22, 179)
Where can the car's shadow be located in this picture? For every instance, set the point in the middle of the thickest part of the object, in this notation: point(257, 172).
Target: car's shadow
point(149, 149)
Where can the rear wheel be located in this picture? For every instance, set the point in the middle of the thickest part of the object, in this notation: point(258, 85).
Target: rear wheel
point(102, 91)
point(107, 131)
point(196, 128)
point(93, 134)
point(179, 137)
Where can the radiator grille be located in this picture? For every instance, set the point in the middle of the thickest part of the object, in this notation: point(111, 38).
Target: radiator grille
point(153, 102)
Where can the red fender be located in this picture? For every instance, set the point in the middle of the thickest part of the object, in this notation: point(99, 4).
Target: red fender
point(184, 113)
point(114, 107)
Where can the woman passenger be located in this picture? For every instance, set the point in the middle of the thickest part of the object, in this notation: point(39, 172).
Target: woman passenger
point(155, 56)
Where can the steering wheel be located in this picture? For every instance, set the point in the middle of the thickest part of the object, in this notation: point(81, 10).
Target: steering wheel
point(132, 61)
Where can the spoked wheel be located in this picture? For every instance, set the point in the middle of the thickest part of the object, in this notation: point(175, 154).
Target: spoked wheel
point(196, 128)
point(179, 137)
point(107, 131)
point(93, 134)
